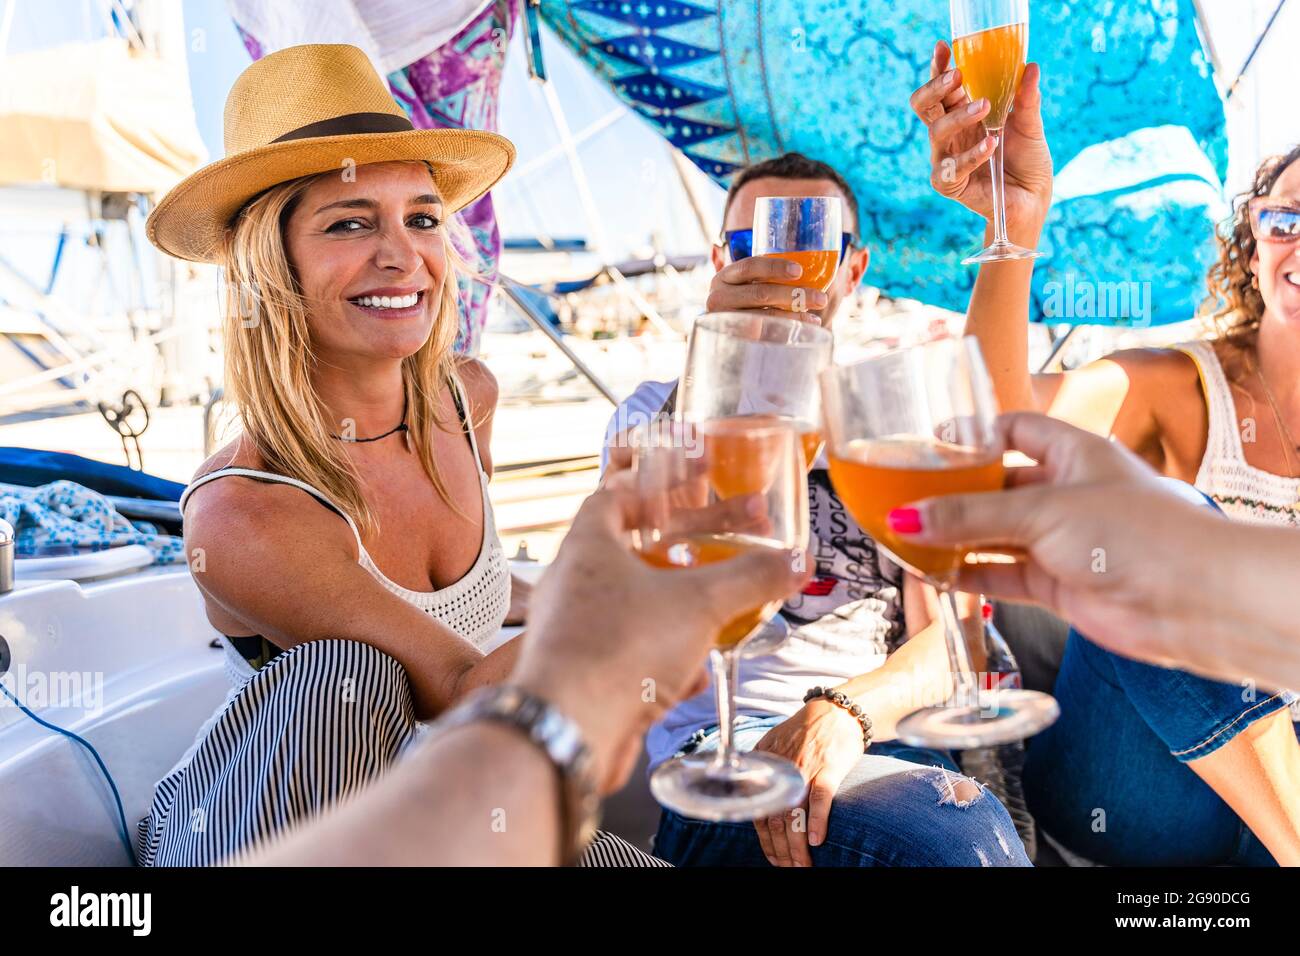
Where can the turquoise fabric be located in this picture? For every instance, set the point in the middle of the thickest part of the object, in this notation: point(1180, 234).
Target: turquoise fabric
point(1133, 117)
point(66, 513)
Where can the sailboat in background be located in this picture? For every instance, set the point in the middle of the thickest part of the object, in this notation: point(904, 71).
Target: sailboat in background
point(94, 132)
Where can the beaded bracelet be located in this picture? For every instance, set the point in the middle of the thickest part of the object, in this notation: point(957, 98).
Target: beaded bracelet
point(841, 699)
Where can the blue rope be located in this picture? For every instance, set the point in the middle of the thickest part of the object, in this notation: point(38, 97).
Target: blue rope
point(1250, 58)
point(121, 815)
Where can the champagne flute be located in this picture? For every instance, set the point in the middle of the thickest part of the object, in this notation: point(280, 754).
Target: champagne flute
point(756, 364)
point(801, 229)
point(990, 39)
point(913, 424)
point(709, 492)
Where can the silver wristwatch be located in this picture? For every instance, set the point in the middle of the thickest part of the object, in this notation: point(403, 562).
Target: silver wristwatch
point(554, 733)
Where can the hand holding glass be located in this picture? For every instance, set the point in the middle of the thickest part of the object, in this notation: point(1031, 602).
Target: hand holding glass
point(913, 424)
point(707, 493)
point(990, 39)
point(801, 229)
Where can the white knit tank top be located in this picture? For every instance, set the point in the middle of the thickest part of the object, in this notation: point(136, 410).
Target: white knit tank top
point(474, 607)
point(1244, 492)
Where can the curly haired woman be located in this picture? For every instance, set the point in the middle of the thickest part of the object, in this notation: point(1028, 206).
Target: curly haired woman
point(1149, 765)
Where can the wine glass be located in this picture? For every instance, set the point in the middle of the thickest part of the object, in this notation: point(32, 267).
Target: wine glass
point(758, 364)
point(912, 424)
point(709, 492)
point(990, 39)
point(802, 229)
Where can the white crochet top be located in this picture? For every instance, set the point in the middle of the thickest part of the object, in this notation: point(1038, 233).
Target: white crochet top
point(1244, 492)
point(474, 607)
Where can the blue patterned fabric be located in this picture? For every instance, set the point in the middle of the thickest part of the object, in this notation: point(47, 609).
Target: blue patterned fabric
point(1133, 117)
point(66, 513)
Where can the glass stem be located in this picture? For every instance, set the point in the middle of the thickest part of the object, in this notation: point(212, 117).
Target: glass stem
point(726, 670)
point(999, 198)
point(963, 680)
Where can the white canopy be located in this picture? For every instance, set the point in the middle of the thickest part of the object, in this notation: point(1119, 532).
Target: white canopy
point(96, 116)
point(393, 33)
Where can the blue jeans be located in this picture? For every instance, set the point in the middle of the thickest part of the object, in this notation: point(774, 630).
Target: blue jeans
point(1109, 779)
point(895, 808)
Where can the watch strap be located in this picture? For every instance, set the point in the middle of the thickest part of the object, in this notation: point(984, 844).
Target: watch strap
point(558, 737)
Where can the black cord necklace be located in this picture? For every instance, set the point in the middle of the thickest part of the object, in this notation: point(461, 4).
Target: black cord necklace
point(400, 427)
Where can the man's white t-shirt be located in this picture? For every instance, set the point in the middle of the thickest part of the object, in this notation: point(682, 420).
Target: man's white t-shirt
point(846, 622)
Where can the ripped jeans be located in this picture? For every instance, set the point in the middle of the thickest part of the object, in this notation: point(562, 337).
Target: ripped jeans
point(898, 807)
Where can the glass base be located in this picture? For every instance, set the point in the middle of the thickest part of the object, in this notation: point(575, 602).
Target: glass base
point(1001, 252)
point(757, 785)
point(998, 717)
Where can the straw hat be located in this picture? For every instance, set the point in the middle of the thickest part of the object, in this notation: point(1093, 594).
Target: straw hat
point(312, 109)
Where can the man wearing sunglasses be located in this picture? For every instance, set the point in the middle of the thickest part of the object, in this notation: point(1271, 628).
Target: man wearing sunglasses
point(862, 633)
point(744, 281)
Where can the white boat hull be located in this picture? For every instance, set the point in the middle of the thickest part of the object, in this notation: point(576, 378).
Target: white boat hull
point(126, 663)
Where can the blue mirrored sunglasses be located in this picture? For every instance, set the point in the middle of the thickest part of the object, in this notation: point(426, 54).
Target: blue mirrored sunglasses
point(740, 244)
point(1273, 220)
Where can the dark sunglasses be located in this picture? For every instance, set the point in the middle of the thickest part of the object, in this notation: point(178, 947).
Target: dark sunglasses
point(740, 244)
point(1274, 220)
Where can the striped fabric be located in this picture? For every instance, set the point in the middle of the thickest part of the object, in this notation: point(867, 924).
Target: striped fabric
point(316, 724)
point(319, 721)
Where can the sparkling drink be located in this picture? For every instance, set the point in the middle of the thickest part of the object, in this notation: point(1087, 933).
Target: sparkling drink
point(742, 454)
point(992, 63)
point(874, 477)
point(990, 40)
point(693, 550)
point(810, 437)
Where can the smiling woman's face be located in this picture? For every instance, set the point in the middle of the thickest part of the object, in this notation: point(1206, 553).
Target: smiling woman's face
point(370, 260)
point(1277, 264)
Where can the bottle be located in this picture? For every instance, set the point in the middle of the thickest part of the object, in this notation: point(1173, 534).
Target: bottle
point(1000, 768)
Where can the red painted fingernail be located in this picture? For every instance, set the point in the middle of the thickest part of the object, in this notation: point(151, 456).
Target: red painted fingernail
point(904, 521)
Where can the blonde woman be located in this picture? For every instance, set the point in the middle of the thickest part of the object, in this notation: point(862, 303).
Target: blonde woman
point(1189, 770)
point(344, 543)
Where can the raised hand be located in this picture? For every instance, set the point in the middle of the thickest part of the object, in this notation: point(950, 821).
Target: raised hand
point(960, 149)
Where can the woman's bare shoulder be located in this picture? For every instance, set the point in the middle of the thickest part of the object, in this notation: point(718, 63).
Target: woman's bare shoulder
point(480, 385)
point(236, 507)
point(1155, 371)
point(238, 453)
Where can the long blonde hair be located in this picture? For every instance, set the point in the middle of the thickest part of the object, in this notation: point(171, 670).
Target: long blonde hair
point(269, 358)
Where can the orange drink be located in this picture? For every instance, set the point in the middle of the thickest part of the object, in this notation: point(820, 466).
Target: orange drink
point(818, 267)
point(694, 550)
point(992, 63)
point(810, 437)
point(742, 454)
point(874, 477)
